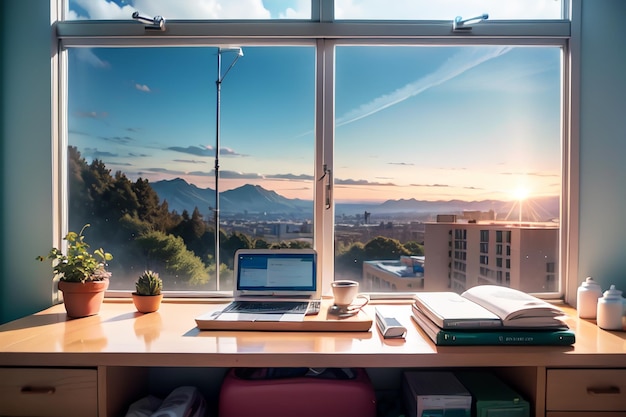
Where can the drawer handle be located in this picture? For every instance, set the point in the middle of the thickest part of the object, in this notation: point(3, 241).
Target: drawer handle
point(610, 390)
point(38, 390)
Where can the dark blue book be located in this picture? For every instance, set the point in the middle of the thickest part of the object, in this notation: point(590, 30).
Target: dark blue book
point(495, 336)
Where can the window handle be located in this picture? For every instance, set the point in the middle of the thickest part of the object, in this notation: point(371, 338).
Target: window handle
point(328, 174)
point(610, 390)
point(38, 390)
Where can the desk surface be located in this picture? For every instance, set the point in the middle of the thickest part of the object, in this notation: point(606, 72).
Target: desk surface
point(120, 336)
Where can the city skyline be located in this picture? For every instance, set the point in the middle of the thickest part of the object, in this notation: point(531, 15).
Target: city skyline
point(444, 114)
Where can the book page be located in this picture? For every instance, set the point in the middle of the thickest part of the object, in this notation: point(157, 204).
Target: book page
point(513, 305)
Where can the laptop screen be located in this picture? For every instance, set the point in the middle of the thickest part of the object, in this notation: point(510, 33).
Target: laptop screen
point(276, 271)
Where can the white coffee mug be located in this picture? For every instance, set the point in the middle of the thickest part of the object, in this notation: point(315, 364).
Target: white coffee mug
point(344, 294)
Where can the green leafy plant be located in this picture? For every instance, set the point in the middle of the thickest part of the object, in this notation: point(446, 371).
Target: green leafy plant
point(149, 283)
point(79, 265)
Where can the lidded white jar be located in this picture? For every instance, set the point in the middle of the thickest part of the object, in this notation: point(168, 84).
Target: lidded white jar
point(610, 308)
point(587, 298)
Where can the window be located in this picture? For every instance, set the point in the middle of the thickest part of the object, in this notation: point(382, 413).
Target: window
point(142, 155)
point(189, 10)
point(370, 144)
point(429, 10)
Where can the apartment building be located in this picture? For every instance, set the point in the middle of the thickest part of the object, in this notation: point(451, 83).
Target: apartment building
point(460, 255)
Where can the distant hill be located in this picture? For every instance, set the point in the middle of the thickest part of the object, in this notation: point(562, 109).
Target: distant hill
point(254, 199)
point(181, 195)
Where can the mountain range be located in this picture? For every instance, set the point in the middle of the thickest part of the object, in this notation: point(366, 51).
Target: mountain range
point(254, 199)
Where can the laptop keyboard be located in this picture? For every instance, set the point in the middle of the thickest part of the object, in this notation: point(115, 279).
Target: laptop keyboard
point(273, 307)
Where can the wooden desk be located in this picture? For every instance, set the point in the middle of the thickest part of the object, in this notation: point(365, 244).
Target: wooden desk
point(119, 348)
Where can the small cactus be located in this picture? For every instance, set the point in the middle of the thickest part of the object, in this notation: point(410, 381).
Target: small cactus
point(149, 283)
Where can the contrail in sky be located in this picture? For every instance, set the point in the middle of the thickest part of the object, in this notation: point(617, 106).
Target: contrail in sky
point(453, 67)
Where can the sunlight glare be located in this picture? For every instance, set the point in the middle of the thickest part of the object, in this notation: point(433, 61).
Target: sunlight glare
point(520, 193)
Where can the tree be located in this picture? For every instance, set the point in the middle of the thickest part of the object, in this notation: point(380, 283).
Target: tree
point(236, 240)
point(352, 257)
point(384, 248)
point(414, 248)
point(164, 252)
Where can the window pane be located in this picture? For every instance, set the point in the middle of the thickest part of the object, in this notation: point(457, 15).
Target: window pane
point(142, 135)
point(189, 9)
point(448, 10)
point(443, 147)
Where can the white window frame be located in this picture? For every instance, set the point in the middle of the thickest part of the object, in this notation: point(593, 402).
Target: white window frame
point(323, 31)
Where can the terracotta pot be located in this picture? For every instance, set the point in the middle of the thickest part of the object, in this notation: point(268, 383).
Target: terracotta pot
point(83, 299)
point(147, 303)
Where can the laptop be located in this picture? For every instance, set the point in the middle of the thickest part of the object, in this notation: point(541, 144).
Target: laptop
point(273, 285)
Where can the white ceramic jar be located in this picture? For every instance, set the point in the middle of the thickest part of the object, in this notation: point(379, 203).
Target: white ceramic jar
point(587, 298)
point(610, 308)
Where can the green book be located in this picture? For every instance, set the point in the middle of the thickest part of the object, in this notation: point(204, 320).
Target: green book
point(491, 397)
point(500, 336)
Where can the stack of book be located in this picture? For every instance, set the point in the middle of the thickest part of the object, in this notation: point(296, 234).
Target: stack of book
point(490, 315)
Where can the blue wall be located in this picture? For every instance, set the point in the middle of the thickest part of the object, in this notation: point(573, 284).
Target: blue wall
point(602, 205)
point(26, 226)
point(25, 115)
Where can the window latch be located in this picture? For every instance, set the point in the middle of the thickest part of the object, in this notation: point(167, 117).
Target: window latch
point(328, 189)
point(464, 25)
point(156, 23)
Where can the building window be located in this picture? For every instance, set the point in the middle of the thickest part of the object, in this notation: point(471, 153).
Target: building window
point(484, 248)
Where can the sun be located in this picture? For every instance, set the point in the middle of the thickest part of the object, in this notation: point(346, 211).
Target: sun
point(520, 193)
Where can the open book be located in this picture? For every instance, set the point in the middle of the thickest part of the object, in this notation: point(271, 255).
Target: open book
point(488, 306)
point(493, 336)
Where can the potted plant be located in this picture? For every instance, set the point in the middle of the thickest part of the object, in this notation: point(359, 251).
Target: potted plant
point(147, 297)
point(83, 277)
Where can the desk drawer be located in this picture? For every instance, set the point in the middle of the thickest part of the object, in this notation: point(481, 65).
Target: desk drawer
point(48, 392)
point(586, 390)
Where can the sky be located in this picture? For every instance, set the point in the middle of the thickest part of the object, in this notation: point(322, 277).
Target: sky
point(431, 123)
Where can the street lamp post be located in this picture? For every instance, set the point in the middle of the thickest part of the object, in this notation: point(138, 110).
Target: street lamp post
point(220, 78)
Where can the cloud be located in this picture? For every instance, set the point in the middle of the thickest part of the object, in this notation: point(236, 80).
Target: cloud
point(91, 115)
point(94, 153)
point(194, 150)
point(87, 55)
point(117, 139)
point(456, 65)
point(161, 171)
point(300, 177)
point(442, 10)
point(189, 161)
point(180, 9)
point(241, 175)
point(142, 87)
point(401, 163)
point(431, 185)
point(104, 9)
point(531, 174)
point(361, 182)
point(229, 152)
point(204, 150)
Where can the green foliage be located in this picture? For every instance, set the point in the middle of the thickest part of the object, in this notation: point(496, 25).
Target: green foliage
point(79, 265)
point(149, 283)
point(129, 217)
point(351, 257)
point(414, 248)
point(171, 254)
point(384, 248)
